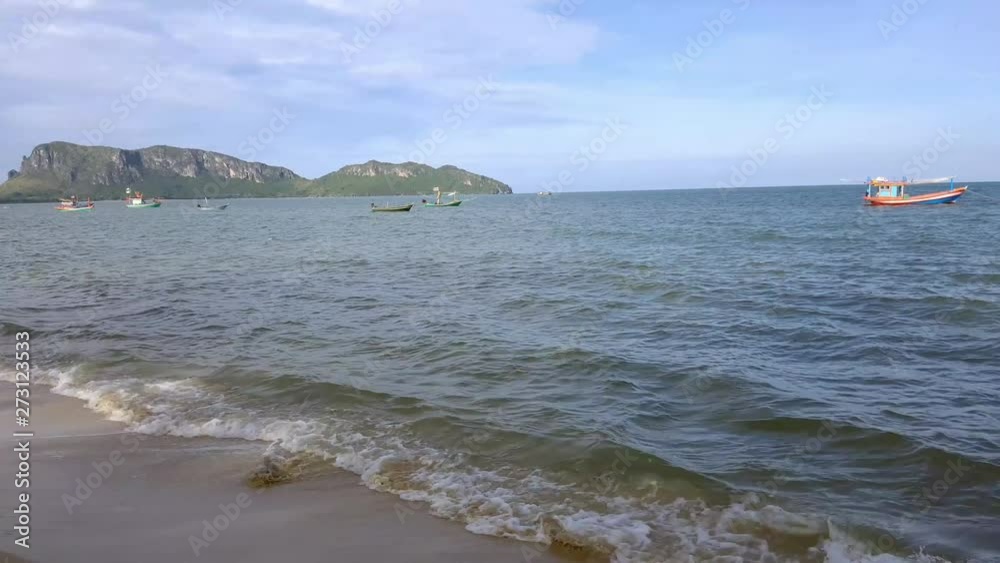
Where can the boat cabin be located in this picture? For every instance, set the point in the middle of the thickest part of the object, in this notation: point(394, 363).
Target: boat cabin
point(882, 187)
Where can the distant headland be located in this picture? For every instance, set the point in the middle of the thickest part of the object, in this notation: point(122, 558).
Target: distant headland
point(57, 169)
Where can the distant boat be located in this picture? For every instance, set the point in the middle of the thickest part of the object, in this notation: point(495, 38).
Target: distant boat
point(884, 192)
point(73, 204)
point(140, 204)
point(438, 203)
point(392, 209)
point(544, 193)
point(208, 207)
point(136, 201)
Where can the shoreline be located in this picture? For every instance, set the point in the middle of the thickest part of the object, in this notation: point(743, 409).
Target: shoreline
point(99, 492)
point(970, 183)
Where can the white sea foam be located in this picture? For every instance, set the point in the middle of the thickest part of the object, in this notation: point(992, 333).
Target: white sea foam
point(526, 505)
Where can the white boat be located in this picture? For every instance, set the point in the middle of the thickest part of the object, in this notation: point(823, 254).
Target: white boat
point(208, 207)
point(137, 201)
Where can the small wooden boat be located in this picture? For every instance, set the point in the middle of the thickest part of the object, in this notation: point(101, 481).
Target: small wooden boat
point(87, 207)
point(142, 204)
point(392, 209)
point(137, 201)
point(208, 207)
point(76, 208)
point(884, 192)
point(438, 203)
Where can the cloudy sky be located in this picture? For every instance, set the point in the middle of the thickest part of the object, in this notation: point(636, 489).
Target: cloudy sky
point(630, 94)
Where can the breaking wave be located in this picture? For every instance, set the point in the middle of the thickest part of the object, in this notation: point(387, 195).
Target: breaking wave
point(655, 519)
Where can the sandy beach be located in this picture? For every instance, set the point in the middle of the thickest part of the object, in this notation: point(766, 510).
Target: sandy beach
point(99, 493)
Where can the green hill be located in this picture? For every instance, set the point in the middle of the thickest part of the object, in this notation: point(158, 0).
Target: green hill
point(409, 178)
point(58, 169)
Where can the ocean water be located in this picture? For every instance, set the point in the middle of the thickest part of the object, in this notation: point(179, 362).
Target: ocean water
point(762, 375)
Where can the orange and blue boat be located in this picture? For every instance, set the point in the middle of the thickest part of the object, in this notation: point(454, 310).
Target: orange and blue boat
point(882, 191)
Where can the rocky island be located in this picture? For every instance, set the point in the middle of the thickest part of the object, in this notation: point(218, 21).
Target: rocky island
point(57, 169)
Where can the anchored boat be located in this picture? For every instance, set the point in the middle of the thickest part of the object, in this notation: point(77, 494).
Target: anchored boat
point(208, 207)
point(882, 191)
point(438, 203)
point(72, 204)
point(136, 200)
point(392, 209)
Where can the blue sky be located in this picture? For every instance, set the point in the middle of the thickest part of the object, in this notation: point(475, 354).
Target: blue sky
point(694, 90)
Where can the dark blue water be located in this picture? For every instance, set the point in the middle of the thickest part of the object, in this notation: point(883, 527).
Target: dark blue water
point(767, 374)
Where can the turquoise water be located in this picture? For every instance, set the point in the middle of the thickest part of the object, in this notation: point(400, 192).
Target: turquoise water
point(771, 374)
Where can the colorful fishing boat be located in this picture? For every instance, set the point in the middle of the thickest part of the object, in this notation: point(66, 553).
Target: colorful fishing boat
point(882, 191)
point(438, 203)
point(73, 204)
point(136, 201)
point(392, 209)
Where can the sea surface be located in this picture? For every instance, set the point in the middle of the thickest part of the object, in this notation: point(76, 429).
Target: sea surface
point(776, 374)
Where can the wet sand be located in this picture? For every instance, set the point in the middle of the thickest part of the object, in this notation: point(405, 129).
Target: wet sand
point(162, 498)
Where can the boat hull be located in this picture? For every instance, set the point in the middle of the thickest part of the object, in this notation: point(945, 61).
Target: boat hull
point(449, 204)
point(85, 208)
point(219, 208)
point(142, 205)
point(402, 209)
point(949, 196)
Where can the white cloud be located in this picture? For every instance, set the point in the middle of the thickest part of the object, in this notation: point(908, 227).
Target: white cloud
point(287, 53)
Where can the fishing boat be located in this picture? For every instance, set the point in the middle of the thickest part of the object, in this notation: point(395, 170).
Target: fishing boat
point(543, 194)
point(885, 192)
point(392, 209)
point(438, 203)
point(137, 201)
point(455, 203)
point(73, 204)
point(208, 207)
